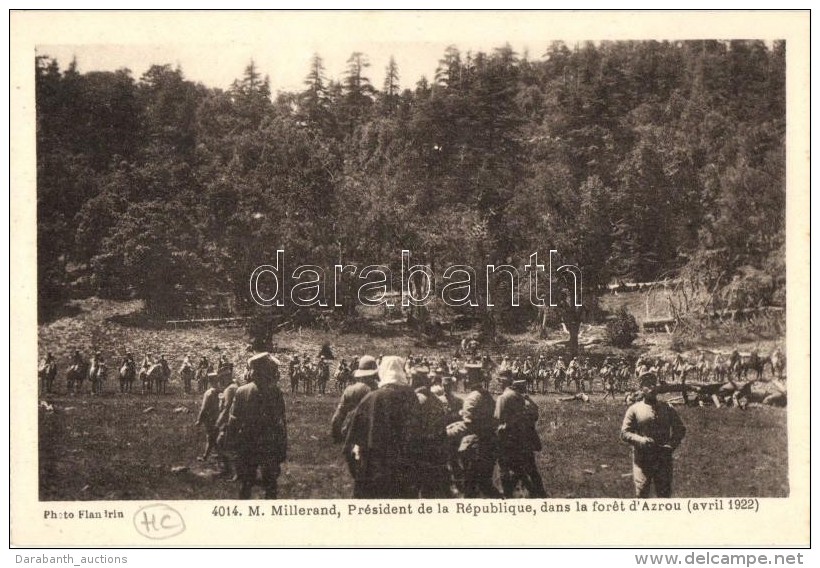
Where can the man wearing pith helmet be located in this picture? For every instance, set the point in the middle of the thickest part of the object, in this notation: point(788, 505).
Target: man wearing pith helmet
point(258, 423)
point(654, 430)
point(366, 378)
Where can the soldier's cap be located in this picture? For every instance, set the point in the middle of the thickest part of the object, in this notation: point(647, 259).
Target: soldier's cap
point(391, 371)
point(648, 379)
point(367, 367)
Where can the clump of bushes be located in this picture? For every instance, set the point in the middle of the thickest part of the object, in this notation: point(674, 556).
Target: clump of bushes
point(622, 330)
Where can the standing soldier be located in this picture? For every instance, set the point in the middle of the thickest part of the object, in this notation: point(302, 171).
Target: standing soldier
point(654, 430)
point(323, 374)
point(294, 367)
point(518, 440)
point(208, 414)
point(477, 449)
point(258, 423)
point(224, 443)
point(434, 475)
point(366, 379)
point(452, 405)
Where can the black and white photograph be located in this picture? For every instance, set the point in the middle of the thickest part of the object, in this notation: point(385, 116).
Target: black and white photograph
point(509, 270)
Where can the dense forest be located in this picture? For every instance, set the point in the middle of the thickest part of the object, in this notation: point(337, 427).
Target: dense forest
point(635, 160)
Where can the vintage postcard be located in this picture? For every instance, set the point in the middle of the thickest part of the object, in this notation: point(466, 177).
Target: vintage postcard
point(357, 278)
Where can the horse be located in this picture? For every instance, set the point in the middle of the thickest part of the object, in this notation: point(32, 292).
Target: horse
point(202, 378)
point(46, 374)
point(295, 377)
point(158, 374)
point(588, 375)
point(153, 376)
point(322, 377)
point(720, 369)
point(342, 377)
point(75, 376)
point(307, 374)
point(623, 375)
point(559, 376)
point(187, 373)
point(778, 362)
point(754, 363)
point(128, 372)
point(542, 379)
point(97, 373)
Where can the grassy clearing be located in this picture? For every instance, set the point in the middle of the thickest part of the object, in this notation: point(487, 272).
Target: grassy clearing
point(110, 448)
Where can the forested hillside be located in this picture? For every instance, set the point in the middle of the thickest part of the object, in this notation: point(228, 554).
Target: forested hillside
point(635, 160)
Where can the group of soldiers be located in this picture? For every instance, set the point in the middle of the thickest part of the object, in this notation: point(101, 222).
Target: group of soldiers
point(405, 434)
point(152, 374)
point(245, 424)
point(311, 375)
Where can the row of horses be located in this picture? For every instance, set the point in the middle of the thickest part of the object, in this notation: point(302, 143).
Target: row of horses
point(735, 366)
point(153, 378)
point(314, 378)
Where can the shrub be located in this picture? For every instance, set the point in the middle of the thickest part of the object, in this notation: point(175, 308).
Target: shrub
point(623, 329)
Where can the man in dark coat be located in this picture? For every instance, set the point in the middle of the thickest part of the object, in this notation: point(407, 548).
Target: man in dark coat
point(477, 432)
point(258, 425)
point(385, 437)
point(518, 440)
point(434, 474)
point(366, 379)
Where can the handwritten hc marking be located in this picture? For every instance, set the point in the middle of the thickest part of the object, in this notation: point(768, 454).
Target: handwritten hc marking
point(158, 521)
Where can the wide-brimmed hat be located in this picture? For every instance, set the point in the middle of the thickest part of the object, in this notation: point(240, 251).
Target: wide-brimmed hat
point(648, 379)
point(262, 364)
point(391, 371)
point(367, 367)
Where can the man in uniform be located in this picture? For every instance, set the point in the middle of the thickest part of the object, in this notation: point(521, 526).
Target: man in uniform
point(477, 431)
point(258, 423)
point(434, 475)
point(385, 437)
point(518, 440)
point(654, 430)
point(366, 379)
point(208, 415)
point(293, 372)
point(224, 443)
